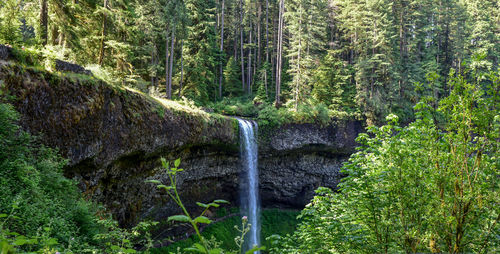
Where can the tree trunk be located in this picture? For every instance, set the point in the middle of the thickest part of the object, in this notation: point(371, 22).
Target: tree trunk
point(259, 13)
point(182, 68)
point(221, 50)
point(152, 63)
point(267, 43)
point(297, 88)
point(274, 52)
point(279, 53)
point(170, 69)
point(103, 33)
point(235, 47)
point(267, 31)
point(54, 34)
point(241, 48)
point(167, 58)
point(254, 71)
point(249, 63)
point(44, 16)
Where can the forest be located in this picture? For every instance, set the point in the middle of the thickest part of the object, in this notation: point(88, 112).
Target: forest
point(422, 76)
point(358, 58)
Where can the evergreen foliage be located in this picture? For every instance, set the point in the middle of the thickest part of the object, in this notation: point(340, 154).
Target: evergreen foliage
point(232, 79)
point(332, 84)
point(307, 39)
point(200, 51)
point(390, 45)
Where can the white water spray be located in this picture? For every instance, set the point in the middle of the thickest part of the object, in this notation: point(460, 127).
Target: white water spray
point(249, 181)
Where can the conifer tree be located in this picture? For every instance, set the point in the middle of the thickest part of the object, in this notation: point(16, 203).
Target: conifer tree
point(232, 81)
point(305, 21)
point(200, 50)
point(9, 22)
point(332, 84)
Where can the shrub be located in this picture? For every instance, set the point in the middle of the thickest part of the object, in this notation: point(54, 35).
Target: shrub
point(270, 116)
point(235, 107)
point(31, 180)
point(419, 188)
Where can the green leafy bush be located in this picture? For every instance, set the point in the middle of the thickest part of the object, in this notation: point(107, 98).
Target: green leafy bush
point(41, 210)
point(419, 188)
point(31, 180)
point(270, 116)
point(241, 106)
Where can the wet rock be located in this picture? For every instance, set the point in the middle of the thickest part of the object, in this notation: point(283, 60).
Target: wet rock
point(70, 67)
point(5, 52)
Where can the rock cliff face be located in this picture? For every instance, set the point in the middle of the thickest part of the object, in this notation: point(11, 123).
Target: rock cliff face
point(296, 159)
point(114, 138)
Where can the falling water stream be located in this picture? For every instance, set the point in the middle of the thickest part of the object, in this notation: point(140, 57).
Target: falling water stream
point(249, 181)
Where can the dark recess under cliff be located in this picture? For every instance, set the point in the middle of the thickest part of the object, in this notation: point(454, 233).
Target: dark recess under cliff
point(114, 138)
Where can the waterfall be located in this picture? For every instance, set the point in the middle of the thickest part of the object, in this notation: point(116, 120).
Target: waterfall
point(249, 181)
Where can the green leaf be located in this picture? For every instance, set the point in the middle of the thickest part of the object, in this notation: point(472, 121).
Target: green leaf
point(221, 201)
point(254, 249)
point(199, 247)
point(32, 241)
point(177, 162)
point(164, 163)
point(130, 251)
point(180, 218)
point(20, 241)
point(202, 219)
point(215, 251)
point(115, 247)
point(161, 186)
point(51, 241)
point(153, 181)
point(3, 215)
point(202, 205)
point(192, 249)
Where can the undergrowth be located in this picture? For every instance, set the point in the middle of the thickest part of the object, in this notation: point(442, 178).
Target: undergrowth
point(274, 221)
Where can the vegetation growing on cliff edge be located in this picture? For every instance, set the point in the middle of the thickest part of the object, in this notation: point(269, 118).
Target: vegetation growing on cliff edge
point(40, 202)
point(41, 210)
point(428, 187)
point(21, 78)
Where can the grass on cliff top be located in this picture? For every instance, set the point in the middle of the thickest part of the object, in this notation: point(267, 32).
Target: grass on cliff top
point(42, 60)
point(274, 221)
point(183, 106)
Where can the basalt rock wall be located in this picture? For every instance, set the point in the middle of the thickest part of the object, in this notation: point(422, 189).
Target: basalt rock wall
point(296, 159)
point(114, 137)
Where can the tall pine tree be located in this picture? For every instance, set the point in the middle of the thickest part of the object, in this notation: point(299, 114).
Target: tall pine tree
point(200, 51)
